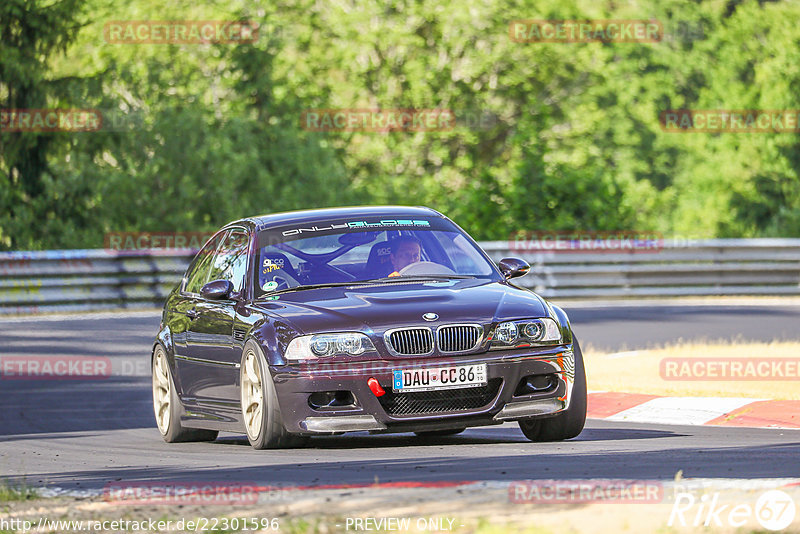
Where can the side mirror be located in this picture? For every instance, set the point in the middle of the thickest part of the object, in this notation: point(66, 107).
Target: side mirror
point(513, 267)
point(217, 290)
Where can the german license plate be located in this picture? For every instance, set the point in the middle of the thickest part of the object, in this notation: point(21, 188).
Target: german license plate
point(438, 378)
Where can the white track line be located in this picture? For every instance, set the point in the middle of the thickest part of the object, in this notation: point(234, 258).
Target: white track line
point(680, 410)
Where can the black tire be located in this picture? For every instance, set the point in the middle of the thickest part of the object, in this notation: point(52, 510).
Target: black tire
point(569, 423)
point(174, 431)
point(439, 433)
point(272, 433)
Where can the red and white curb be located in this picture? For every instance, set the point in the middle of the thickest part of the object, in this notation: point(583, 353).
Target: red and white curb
point(716, 411)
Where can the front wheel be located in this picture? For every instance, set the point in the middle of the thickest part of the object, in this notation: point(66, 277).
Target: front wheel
point(167, 406)
point(260, 410)
point(569, 423)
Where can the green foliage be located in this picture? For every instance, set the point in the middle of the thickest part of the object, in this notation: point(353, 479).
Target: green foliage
point(572, 140)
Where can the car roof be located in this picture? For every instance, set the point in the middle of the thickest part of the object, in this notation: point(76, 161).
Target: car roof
point(325, 214)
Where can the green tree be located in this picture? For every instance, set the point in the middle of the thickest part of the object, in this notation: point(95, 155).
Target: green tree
point(32, 33)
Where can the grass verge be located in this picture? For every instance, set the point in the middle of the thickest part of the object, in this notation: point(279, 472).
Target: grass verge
point(15, 491)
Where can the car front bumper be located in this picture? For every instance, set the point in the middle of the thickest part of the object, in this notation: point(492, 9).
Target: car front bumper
point(294, 385)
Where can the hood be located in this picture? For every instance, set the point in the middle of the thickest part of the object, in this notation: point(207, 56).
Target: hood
point(381, 306)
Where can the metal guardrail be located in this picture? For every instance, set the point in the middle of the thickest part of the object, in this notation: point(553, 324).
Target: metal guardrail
point(76, 280)
point(675, 268)
point(79, 280)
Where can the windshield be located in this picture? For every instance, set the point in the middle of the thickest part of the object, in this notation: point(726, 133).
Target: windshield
point(352, 252)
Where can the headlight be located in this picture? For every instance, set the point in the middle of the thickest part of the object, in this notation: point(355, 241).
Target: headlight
point(525, 332)
point(324, 345)
point(506, 333)
point(534, 331)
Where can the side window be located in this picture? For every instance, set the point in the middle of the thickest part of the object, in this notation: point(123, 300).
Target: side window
point(230, 261)
point(198, 272)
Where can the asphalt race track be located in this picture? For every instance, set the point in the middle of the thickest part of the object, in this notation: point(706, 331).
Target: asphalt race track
point(86, 434)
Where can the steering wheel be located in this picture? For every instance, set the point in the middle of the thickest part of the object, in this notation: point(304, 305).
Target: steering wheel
point(425, 267)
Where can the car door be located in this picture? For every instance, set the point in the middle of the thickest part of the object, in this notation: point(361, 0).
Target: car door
point(212, 356)
point(182, 312)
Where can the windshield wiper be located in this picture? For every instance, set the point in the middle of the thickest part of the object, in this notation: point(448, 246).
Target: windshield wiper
point(306, 286)
point(421, 277)
point(401, 278)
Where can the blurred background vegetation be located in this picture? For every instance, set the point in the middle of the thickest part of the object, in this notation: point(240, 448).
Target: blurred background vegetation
point(210, 133)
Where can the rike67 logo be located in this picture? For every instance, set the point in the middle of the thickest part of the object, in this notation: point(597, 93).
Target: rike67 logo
point(773, 510)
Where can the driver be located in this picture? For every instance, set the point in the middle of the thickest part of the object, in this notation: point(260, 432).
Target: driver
point(405, 250)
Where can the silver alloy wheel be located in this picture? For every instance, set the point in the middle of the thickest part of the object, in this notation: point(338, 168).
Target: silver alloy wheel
point(162, 391)
point(252, 395)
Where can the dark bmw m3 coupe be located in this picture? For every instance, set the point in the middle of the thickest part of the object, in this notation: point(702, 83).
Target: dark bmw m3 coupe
point(379, 319)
